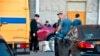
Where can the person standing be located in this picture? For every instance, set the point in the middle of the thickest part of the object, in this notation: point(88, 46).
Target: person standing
point(56, 27)
point(77, 20)
point(61, 32)
point(34, 38)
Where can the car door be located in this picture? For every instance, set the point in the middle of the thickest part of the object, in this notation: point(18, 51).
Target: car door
point(42, 32)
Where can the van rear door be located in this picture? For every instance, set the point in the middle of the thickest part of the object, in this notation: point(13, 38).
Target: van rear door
point(14, 18)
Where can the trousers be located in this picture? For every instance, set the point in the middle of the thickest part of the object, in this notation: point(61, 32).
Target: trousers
point(34, 42)
point(62, 47)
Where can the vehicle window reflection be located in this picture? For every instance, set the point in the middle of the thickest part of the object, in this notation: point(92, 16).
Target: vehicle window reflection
point(91, 33)
point(4, 51)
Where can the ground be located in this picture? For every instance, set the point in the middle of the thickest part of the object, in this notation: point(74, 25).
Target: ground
point(40, 54)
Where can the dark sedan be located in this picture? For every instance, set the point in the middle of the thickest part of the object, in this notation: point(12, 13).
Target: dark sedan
point(84, 41)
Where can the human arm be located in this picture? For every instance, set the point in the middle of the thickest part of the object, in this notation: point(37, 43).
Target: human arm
point(58, 29)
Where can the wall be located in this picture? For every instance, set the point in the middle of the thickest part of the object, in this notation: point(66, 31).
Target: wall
point(91, 16)
point(99, 12)
point(91, 11)
point(32, 8)
point(49, 9)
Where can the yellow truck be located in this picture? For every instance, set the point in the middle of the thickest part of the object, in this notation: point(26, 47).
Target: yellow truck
point(14, 23)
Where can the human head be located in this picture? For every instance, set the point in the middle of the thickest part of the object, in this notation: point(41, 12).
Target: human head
point(36, 16)
point(77, 15)
point(60, 15)
point(46, 21)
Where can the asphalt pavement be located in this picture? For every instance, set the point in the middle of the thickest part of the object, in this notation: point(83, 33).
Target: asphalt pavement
point(43, 46)
point(39, 54)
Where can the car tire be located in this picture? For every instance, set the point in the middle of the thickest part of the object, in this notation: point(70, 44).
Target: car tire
point(51, 42)
point(50, 36)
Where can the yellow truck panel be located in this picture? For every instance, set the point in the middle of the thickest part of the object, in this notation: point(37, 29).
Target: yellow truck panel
point(15, 21)
point(13, 8)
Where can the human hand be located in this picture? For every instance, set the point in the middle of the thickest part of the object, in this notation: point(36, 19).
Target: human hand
point(57, 32)
point(34, 34)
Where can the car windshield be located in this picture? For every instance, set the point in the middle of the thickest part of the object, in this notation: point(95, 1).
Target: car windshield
point(40, 26)
point(4, 51)
point(91, 33)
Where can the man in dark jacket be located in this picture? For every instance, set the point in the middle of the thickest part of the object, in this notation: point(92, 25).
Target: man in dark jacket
point(34, 38)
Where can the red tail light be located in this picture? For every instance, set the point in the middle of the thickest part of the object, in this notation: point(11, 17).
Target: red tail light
point(23, 45)
point(85, 45)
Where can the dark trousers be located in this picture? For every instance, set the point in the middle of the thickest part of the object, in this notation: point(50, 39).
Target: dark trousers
point(34, 42)
point(62, 47)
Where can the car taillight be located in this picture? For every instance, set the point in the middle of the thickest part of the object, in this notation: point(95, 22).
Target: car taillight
point(23, 45)
point(84, 45)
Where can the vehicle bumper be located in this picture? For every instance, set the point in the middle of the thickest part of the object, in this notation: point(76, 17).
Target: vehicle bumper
point(21, 50)
point(89, 54)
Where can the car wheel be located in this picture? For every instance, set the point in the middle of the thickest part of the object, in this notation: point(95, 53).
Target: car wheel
point(51, 37)
point(51, 42)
